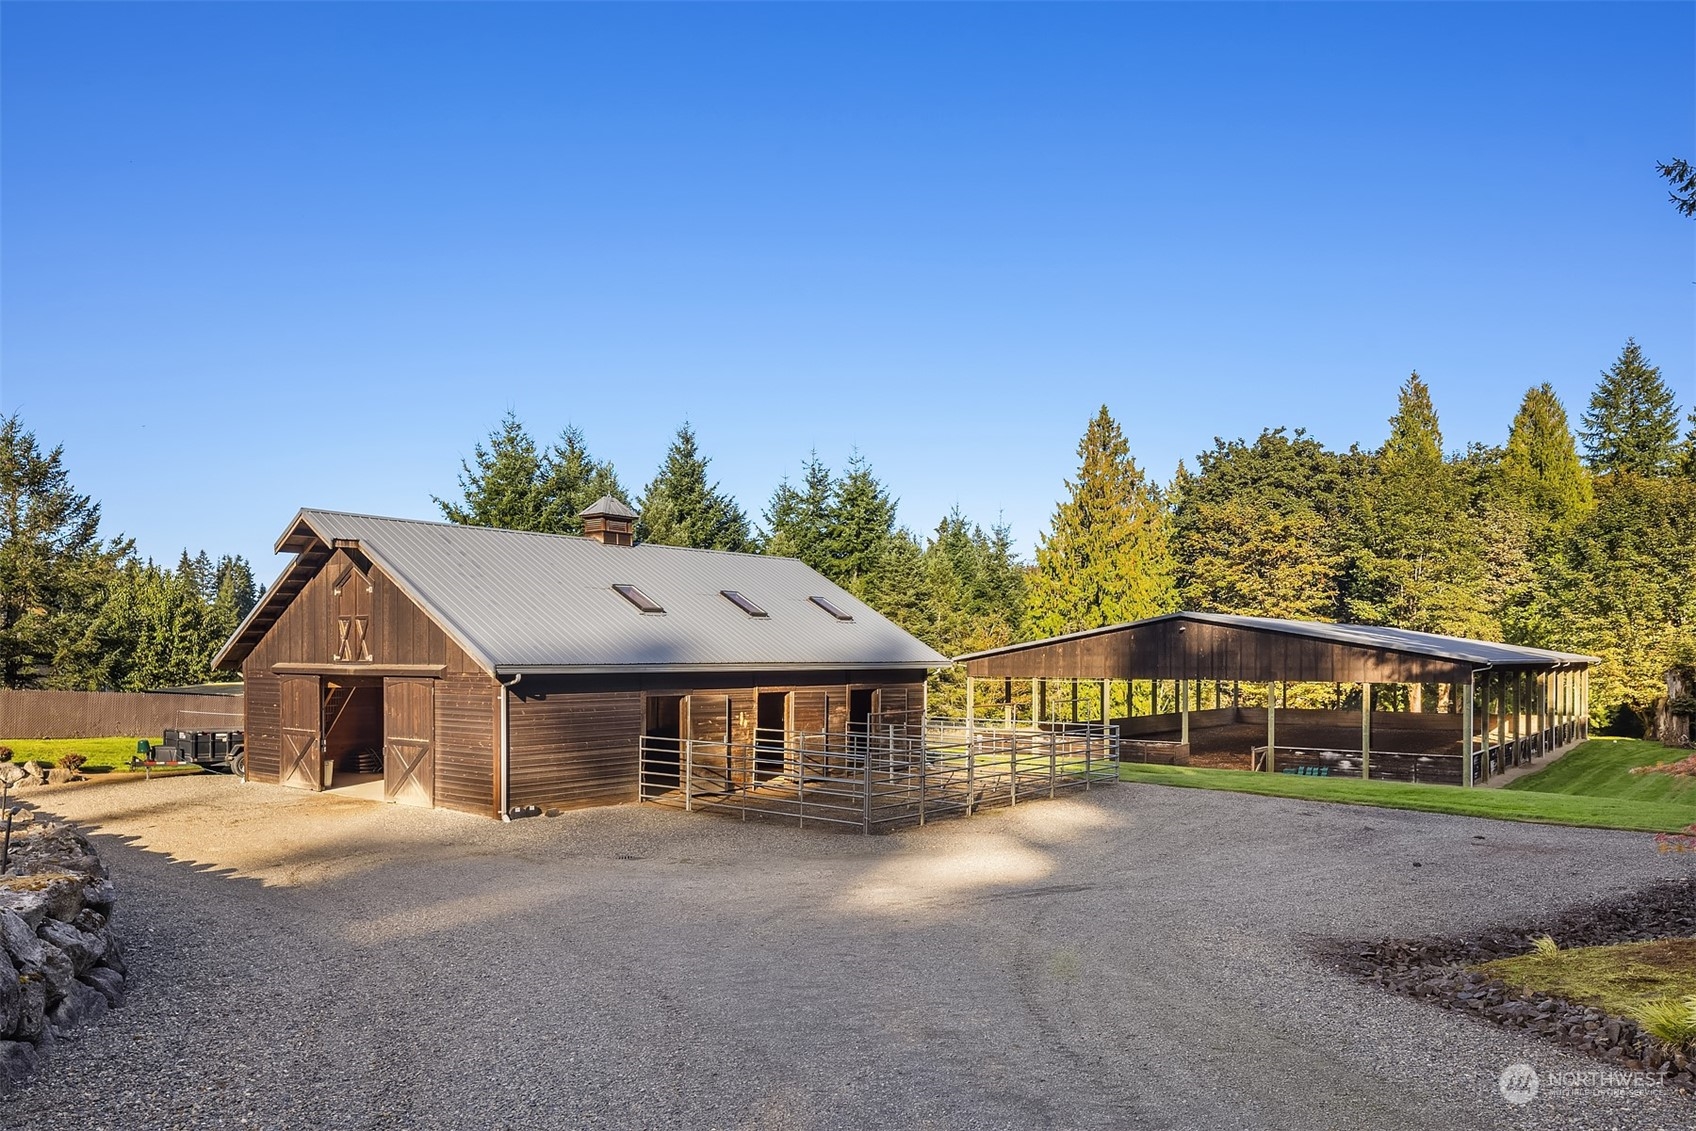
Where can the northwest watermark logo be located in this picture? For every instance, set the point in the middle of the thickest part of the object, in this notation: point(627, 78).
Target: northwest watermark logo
point(1518, 1084)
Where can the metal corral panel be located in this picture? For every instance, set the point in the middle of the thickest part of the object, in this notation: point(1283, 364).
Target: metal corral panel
point(518, 601)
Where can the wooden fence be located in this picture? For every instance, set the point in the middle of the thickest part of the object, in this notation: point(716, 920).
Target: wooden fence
point(103, 714)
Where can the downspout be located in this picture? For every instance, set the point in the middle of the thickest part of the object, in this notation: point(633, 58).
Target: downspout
point(506, 744)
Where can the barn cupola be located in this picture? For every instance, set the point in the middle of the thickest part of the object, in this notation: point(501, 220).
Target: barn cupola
point(609, 522)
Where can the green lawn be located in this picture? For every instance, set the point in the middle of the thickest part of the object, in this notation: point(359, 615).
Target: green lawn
point(1508, 805)
point(1601, 768)
point(104, 754)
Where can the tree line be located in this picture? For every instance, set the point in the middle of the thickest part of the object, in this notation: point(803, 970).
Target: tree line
point(81, 612)
point(1581, 539)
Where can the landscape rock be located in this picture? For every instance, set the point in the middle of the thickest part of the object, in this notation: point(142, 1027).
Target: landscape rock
point(108, 981)
point(83, 949)
point(61, 965)
point(59, 775)
point(81, 1005)
point(17, 1062)
point(19, 940)
point(10, 994)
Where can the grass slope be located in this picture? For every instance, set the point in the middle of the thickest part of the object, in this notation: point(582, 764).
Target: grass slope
point(1500, 804)
point(1602, 768)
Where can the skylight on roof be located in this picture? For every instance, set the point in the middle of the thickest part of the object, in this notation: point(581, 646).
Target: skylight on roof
point(638, 598)
point(830, 608)
point(742, 603)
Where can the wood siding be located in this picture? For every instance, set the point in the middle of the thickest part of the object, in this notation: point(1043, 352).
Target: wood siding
point(467, 728)
point(264, 705)
point(571, 750)
point(398, 633)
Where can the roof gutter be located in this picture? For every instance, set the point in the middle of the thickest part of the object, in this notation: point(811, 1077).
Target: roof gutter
point(506, 745)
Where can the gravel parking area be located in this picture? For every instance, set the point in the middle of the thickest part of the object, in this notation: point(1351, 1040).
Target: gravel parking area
point(1131, 957)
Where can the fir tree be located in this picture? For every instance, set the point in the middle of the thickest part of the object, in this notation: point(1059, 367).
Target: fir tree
point(1682, 176)
point(1541, 473)
point(679, 508)
point(798, 521)
point(1632, 422)
point(1106, 558)
point(1420, 560)
point(498, 485)
point(54, 568)
point(860, 523)
point(569, 479)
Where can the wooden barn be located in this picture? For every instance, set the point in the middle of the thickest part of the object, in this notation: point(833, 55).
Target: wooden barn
point(502, 672)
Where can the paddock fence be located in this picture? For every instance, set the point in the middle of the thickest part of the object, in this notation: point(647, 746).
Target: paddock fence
point(877, 778)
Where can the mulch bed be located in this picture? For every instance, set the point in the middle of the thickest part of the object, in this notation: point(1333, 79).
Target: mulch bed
point(1435, 969)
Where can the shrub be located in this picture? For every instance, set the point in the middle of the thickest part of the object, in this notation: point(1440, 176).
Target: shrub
point(1672, 1021)
point(1544, 946)
point(73, 761)
point(5, 753)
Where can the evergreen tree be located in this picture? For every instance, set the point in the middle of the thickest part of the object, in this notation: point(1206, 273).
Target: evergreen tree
point(1632, 422)
point(899, 587)
point(679, 508)
point(1690, 447)
point(1682, 177)
point(498, 486)
point(1422, 557)
point(54, 568)
point(1106, 558)
point(798, 521)
point(569, 479)
point(1541, 473)
point(861, 521)
point(1624, 589)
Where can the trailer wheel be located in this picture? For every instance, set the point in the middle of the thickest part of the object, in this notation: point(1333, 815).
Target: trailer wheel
point(238, 761)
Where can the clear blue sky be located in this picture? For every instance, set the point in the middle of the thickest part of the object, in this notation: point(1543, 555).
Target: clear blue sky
point(260, 257)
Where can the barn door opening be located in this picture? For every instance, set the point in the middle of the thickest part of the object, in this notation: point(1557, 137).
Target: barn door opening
point(302, 721)
point(662, 741)
point(409, 741)
point(771, 717)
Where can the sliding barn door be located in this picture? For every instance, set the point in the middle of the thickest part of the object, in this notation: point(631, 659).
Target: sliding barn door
point(409, 741)
point(302, 724)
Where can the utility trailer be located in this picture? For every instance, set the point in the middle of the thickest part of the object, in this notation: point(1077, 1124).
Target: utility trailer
point(221, 750)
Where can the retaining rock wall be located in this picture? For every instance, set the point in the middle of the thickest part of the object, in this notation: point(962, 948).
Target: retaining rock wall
point(60, 963)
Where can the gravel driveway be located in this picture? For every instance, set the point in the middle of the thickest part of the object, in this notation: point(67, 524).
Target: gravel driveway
point(1127, 958)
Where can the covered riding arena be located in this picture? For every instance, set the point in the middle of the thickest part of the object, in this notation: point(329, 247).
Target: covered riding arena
point(1285, 696)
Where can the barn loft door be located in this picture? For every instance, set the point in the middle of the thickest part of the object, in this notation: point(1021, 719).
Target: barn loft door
point(302, 723)
point(353, 617)
point(409, 741)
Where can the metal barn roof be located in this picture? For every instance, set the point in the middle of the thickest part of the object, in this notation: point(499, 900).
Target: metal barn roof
point(519, 601)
